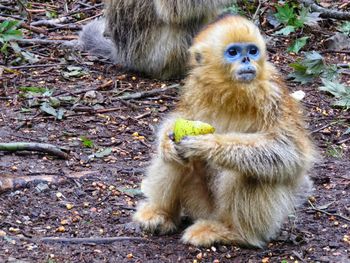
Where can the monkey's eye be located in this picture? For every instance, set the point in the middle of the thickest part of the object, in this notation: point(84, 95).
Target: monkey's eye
point(232, 51)
point(253, 50)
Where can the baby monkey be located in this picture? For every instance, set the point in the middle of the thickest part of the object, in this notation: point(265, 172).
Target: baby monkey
point(240, 183)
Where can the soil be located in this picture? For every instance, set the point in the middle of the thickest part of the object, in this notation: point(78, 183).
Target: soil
point(101, 205)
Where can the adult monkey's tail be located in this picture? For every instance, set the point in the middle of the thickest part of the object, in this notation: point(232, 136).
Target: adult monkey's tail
point(91, 39)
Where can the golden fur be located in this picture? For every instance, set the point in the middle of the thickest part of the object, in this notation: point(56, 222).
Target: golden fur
point(240, 183)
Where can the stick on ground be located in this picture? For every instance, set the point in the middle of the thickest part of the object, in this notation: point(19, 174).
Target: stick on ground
point(32, 146)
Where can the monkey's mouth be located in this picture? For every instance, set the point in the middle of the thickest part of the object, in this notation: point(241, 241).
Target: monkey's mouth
point(246, 75)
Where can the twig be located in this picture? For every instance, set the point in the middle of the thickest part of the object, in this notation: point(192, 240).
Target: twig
point(321, 128)
point(10, 182)
point(325, 12)
point(82, 10)
point(38, 66)
point(80, 240)
point(50, 22)
point(335, 51)
point(88, 19)
point(29, 146)
point(257, 10)
point(343, 140)
point(40, 41)
point(327, 213)
point(143, 94)
point(2, 7)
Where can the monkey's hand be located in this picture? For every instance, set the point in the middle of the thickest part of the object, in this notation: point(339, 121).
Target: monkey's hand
point(200, 146)
point(167, 149)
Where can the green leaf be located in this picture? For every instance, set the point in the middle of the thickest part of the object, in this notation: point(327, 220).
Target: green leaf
point(343, 102)
point(285, 31)
point(345, 27)
point(9, 32)
point(45, 107)
point(339, 91)
point(30, 57)
point(33, 89)
point(104, 152)
point(331, 72)
point(298, 44)
point(314, 63)
point(312, 19)
point(54, 102)
point(86, 142)
point(73, 71)
point(132, 192)
point(285, 13)
point(60, 113)
point(234, 9)
point(335, 88)
point(301, 77)
point(347, 131)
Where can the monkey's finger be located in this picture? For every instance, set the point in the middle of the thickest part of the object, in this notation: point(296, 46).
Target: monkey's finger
point(171, 136)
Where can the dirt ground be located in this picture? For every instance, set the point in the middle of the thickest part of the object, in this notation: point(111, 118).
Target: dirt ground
point(101, 204)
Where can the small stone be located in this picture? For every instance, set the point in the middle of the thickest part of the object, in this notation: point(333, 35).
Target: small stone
point(86, 204)
point(312, 199)
point(213, 249)
point(216, 261)
point(199, 256)
point(223, 249)
point(130, 255)
point(64, 222)
point(14, 229)
point(69, 206)
point(42, 187)
point(2, 233)
point(228, 256)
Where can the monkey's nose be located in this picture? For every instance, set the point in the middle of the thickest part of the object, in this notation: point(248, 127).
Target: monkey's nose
point(246, 60)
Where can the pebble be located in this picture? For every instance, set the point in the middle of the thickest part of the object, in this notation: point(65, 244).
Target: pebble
point(42, 187)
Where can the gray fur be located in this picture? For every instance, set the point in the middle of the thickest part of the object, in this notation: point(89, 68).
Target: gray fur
point(91, 39)
point(149, 36)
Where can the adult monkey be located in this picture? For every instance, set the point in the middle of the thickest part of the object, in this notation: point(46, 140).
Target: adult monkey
point(149, 36)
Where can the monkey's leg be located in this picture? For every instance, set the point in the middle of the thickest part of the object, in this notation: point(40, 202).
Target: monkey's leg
point(160, 212)
point(259, 211)
point(207, 232)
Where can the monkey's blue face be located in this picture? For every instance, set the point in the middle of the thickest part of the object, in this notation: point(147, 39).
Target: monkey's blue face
point(241, 55)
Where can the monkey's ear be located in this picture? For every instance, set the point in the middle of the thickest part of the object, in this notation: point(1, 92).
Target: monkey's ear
point(198, 57)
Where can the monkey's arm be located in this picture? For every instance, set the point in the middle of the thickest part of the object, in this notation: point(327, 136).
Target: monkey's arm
point(180, 11)
point(267, 157)
point(166, 147)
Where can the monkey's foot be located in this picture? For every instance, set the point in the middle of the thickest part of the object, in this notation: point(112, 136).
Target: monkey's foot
point(206, 233)
point(153, 219)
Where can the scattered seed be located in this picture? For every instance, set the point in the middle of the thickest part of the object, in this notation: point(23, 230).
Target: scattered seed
point(61, 229)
